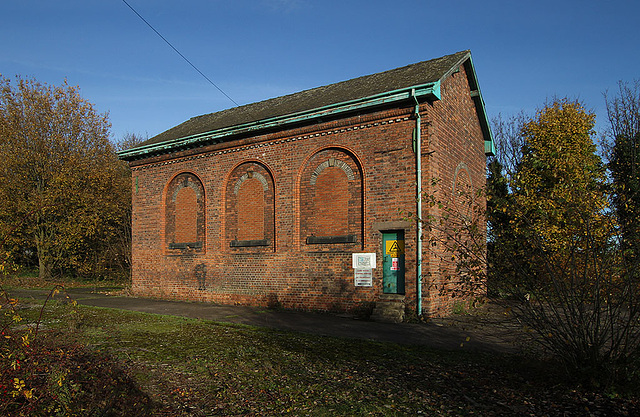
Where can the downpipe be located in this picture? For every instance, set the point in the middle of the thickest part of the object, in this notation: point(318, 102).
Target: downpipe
point(418, 151)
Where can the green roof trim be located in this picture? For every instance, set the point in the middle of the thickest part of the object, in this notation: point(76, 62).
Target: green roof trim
point(476, 95)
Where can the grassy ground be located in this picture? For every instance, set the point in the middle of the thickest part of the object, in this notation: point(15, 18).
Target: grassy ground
point(30, 279)
point(190, 367)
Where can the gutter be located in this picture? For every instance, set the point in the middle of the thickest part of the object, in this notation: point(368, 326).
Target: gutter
point(429, 91)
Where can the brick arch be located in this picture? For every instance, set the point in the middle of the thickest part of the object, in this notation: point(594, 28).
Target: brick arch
point(251, 175)
point(184, 214)
point(461, 177)
point(331, 200)
point(332, 162)
point(249, 208)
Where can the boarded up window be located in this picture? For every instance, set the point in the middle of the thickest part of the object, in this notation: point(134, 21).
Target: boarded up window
point(184, 214)
point(250, 209)
point(331, 201)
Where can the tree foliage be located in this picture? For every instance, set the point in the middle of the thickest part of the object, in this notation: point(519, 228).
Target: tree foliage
point(560, 178)
point(60, 180)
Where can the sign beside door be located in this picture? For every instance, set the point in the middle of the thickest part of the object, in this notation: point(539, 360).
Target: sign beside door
point(395, 264)
point(363, 264)
point(363, 260)
point(363, 277)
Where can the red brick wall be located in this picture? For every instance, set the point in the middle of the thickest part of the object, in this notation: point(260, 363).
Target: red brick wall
point(331, 197)
point(456, 158)
point(375, 148)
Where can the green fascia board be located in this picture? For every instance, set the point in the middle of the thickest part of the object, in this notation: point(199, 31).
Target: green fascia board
point(489, 145)
point(489, 148)
point(429, 91)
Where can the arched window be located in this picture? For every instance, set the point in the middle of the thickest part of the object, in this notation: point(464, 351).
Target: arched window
point(184, 214)
point(250, 208)
point(331, 199)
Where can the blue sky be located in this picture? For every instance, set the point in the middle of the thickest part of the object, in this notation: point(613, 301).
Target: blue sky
point(525, 52)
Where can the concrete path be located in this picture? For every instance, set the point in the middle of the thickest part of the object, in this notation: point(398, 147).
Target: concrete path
point(436, 334)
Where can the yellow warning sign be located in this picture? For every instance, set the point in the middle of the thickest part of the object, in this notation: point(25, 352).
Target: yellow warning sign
point(394, 248)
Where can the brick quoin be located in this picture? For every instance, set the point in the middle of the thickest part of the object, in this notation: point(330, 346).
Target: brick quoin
point(272, 215)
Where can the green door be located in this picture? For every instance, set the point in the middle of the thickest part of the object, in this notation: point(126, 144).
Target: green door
point(393, 262)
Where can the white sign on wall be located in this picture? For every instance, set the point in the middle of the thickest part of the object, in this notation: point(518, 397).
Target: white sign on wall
point(363, 277)
point(363, 264)
point(364, 260)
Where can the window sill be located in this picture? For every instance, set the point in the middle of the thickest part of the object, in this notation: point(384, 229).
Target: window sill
point(192, 245)
point(318, 240)
point(249, 243)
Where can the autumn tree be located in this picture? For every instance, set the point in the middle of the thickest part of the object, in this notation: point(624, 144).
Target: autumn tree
point(544, 183)
point(560, 179)
point(60, 179)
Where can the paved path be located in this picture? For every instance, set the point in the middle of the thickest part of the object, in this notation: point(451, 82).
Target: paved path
point(433, 334)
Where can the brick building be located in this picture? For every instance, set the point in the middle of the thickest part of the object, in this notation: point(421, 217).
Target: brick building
point(267, 203)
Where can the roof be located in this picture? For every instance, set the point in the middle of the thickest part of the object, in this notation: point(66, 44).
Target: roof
point(278, 111)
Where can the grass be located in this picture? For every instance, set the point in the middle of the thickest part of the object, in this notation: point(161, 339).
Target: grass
point(189, 367)
point(198, 367)
point(29, 279)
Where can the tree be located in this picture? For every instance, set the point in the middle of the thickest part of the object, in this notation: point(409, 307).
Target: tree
point(60, 179)
point(560, 178)
point(553, 249)
point(576, 291)
point(509, 142)
point(123, 237)
point(624, 163)
point(130, 140)
point(501, 171)
point(552, 181)
point(499, 225)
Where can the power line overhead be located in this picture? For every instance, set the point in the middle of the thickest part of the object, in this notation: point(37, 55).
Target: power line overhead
point(179, 53)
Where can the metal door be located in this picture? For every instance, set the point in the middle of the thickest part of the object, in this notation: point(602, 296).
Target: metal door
point(393, 262)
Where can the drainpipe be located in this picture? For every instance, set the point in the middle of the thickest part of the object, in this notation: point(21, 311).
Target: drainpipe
point(418, 150)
